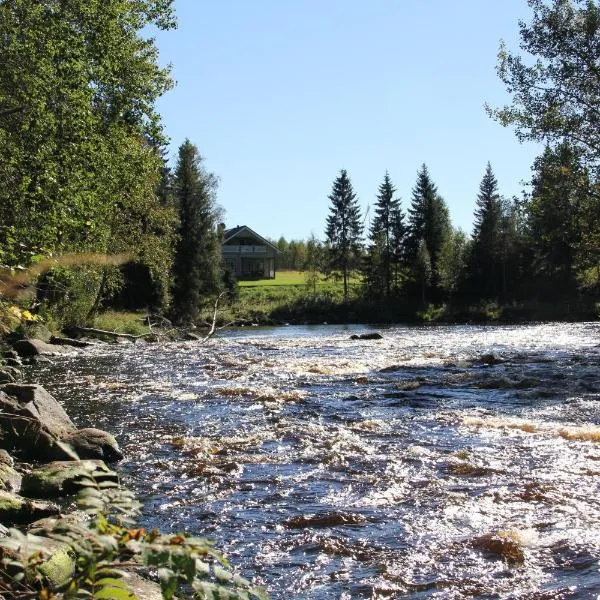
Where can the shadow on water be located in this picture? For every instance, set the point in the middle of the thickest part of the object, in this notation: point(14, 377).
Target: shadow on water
point(438, 462)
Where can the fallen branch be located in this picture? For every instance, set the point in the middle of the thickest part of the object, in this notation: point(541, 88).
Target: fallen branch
point(113, 334)
point(213, 327)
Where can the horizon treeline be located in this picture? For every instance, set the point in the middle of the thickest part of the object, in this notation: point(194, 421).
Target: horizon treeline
point(541, 246)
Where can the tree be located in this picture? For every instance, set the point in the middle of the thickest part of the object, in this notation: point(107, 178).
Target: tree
point(486, 250)
point(452, 263)
point(197, 262)
point(79, 131)
point(344, 229)
point(556, 97)
point(554, 214)
point(313, 264)
point(386, 236)
point(422, 269)
point(429, 221)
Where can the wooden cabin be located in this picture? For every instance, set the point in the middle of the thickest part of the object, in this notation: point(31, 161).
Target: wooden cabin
point(248, 255)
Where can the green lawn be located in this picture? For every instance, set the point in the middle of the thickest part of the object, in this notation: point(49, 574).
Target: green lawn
point(290, 278)
point(281, 278)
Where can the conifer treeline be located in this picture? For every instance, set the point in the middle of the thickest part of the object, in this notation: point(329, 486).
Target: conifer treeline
point(543, 246)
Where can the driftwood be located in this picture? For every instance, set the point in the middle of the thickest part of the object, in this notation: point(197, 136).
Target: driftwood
point(113, 334)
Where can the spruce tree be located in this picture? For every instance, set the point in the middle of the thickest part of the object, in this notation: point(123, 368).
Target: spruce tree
point(553, 216)
point(344, 229)
point(428, 220)
point(197, 262)
point(386, 236)
point(486, 255)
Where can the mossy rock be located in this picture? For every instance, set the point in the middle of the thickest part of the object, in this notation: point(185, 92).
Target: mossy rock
point(10, 480)
point(62, 477)
point(15, 509)
point(60, 567)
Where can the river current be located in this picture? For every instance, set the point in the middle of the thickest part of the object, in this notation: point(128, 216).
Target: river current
point(438, 462)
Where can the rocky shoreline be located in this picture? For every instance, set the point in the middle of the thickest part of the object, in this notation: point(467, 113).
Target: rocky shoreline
point(45, 461)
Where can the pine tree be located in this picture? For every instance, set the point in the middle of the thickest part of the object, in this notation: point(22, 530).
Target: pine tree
point(428, 220)
point(486, 256)
point(198, 253)
point(553, 215)
point(386, 236)
point(344, 229)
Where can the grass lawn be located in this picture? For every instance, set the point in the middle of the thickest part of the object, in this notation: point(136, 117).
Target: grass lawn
point(290, 278)
point(281, 278)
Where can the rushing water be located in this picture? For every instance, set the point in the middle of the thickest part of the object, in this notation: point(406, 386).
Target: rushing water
point(334, 469)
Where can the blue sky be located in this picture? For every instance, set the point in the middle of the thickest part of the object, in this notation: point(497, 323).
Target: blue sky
point(279, 95)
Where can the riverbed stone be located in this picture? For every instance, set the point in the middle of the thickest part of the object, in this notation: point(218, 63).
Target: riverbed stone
point(63, 477)
point(93, 443)
point(59, 568)
point(31, 420)
point(10, 480)
point(6, 377)
point(15, 509)
point(375, 335)
point(34, 347)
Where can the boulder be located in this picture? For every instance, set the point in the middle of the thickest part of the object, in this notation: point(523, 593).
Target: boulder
point(32, 347)
point(63, 477)
point(15, 509)
point(10, 480)
point(6, 459)
point(374, 335)
point(6, 377)
point(93, 443)
point(33, 422)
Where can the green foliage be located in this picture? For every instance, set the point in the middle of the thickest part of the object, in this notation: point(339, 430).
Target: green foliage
point(486, 250)
point(385, 255)
point(556, 87)
point(78, 131)
point(428, 222)
point(344, 230)
point(197, 266)
point(97, 551)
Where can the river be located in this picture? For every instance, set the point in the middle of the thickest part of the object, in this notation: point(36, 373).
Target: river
point(438, 462)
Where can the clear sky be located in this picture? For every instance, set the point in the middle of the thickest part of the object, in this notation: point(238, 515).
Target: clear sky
point(279, 95)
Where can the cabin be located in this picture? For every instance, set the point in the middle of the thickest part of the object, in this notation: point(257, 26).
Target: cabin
point(248, 255)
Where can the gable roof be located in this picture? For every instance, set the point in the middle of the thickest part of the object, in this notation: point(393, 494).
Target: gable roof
point(235, 231)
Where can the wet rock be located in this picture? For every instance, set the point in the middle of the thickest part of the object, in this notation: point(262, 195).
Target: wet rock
point(17, 510)
point(32, 347)
point(12, 362)
point(489, 359)
point(93, 443)
point(6, 377)
point(10, 480)
point(6, 458)
point(367, 336)
point(142, 588)
point(9, 353)
point(330, 519)
point(31, 419)
point(60, 478)
point(64, 341)
point(501, 544)
point(192, 337)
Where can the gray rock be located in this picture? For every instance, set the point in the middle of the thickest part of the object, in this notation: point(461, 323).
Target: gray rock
point(35, 402)
point(15, 509)
point(13, 362)
point(60, 478)
point(10, 480)
point(33, 347)
point(367, 336)
point(94, 443)
point(6, 458)
point(6, 377)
